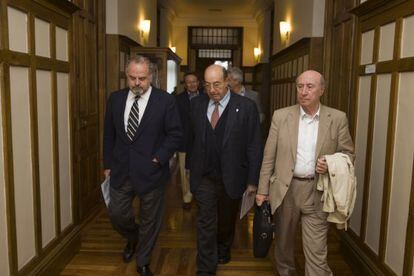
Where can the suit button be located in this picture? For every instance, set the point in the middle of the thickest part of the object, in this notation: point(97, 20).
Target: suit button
point(332, 174)
point(293, 170)
point(287, 185)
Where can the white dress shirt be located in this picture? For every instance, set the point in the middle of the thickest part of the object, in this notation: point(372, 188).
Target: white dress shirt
point(142, 104)
point(306, 150)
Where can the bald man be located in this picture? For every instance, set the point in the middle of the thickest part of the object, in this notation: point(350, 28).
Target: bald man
point(224, 158)
point(299, 137)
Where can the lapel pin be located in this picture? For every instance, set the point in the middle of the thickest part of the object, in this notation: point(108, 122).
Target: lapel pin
point(237, 110)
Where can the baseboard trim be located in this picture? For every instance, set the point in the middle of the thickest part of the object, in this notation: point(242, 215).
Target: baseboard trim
point(54, 262)
point(359, 261)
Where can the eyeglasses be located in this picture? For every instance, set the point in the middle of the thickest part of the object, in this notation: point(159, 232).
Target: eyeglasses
point(215, 85)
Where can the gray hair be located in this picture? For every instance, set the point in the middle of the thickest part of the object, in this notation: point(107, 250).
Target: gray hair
point(236, 73)
point(138, 59)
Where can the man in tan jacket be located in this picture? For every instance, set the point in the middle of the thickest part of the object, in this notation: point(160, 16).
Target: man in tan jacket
point(299, 137)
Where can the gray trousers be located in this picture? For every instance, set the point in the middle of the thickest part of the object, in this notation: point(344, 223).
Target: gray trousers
point(122, 217)
point(302, 204)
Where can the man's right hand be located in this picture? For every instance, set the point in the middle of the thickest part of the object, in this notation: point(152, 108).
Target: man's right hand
point(260, 199)
point(107, 173)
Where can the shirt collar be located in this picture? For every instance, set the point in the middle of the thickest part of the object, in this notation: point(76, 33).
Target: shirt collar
point(223, 102)
point(243, 91)
point(303, 114)
point(191, 94)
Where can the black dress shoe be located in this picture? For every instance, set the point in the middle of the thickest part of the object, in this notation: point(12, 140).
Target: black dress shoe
point(187, 205)
point(223, 259)
point(129, 251)
point(144, 270)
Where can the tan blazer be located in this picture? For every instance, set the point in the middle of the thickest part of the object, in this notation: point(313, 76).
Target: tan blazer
point(281, 146)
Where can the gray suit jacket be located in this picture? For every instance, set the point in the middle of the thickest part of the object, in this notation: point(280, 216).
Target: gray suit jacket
point(254, 96)
point(281, 147)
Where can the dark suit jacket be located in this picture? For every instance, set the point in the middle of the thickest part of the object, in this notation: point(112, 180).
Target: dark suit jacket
point(158, 136)
point(241, 154)
point(183, 103)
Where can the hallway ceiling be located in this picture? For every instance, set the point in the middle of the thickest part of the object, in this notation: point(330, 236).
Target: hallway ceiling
point(211, 8)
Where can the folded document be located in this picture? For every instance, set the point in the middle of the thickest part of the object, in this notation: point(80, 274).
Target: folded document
point(105, 191)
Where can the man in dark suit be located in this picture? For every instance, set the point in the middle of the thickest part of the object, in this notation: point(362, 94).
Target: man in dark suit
point(224, 161)
point(142, 131)
point(236, 85)
point(191, 85)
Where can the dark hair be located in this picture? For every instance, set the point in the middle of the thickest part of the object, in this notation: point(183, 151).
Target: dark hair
point(191, 73)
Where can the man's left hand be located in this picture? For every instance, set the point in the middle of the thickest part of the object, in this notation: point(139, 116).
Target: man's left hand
point(251, 189)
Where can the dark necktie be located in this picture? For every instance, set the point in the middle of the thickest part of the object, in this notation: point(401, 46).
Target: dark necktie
point(133, 119)
point(215, 116)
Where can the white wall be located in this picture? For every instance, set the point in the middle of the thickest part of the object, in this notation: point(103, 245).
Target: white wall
point(305, 17)
point(123, 17)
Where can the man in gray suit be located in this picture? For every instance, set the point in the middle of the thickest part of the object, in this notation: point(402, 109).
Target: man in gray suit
point(236, 85)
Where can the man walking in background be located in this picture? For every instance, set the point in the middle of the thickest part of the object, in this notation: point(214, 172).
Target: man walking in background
point(236, 86)
point(191, 85)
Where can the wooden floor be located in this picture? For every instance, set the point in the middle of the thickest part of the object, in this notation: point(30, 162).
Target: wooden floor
point(175, 251)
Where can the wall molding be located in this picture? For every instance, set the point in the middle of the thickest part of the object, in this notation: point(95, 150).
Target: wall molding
point(60, 255)
point(356, 256)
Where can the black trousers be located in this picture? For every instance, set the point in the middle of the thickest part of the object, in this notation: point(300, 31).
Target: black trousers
point(215, 224)
point(122, 216)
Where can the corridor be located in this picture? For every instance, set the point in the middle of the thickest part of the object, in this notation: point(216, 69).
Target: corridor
point(175, 251)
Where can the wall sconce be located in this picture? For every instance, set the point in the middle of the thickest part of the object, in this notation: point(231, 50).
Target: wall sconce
point(285, 29)
point(257, 52)
point(145, 27)
point(173, 49)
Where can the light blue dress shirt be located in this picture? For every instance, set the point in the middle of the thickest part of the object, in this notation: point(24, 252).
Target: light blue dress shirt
point(222, 105)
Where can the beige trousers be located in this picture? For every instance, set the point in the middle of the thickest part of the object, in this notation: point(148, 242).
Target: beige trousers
point(185, 184)
point(301, 204)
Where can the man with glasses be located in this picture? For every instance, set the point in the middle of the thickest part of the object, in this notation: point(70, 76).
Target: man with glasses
point(299, 138)
point(224, 159)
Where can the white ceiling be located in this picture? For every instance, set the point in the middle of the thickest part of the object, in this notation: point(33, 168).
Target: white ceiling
point(214, 8)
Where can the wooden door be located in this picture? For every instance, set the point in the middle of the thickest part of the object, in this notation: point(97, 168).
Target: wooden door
point(339, 41)
point(86, 105)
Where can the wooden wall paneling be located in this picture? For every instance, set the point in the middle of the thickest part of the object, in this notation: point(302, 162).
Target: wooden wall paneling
point(85, 110)
point(377, 177)
point(55, 141)
point(9, 172)
point(43, 11)
point(409, 245)
point(368, 158)
point(386, 19)
point(31, 36)
point(339, 78)
point(4, 229)
point(391, 141)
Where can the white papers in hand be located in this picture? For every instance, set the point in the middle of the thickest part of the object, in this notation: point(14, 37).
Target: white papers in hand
point(105, 191)
point(247, 203)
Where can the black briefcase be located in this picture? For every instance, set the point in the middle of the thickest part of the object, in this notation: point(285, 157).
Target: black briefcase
point(262, 230)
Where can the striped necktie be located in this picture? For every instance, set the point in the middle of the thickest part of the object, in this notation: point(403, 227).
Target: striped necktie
point(133, 119)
